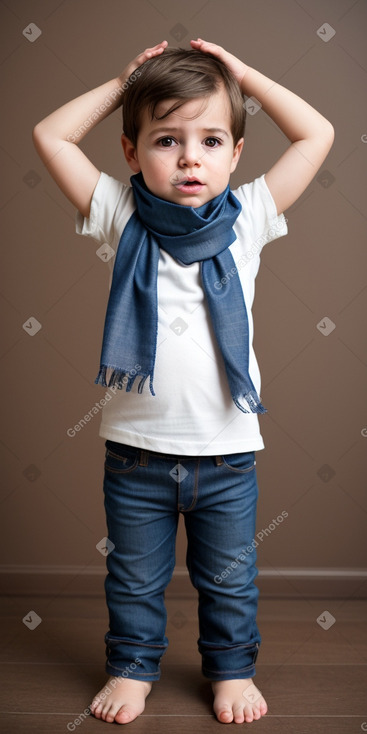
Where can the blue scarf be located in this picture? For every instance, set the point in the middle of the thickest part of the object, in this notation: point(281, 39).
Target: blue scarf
point(190, 235)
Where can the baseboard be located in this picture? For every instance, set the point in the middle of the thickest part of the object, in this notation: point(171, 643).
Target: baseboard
point(291, 583)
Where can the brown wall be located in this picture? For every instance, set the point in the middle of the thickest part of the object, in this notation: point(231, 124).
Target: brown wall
point(314, 386)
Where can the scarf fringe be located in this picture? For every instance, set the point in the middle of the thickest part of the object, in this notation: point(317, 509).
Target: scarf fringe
point(121, 379)
point(253, 401)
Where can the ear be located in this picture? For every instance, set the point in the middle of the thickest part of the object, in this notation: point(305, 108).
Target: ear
point(130, 153)
point(236, 154)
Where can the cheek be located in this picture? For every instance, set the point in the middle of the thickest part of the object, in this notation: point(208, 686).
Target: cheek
point(155, 157)
point(159, 165)
point(222, 164)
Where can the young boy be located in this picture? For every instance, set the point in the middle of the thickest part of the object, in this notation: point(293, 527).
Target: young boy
point(182, 429)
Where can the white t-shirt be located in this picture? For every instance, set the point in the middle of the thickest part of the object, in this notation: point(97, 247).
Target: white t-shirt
point(192, 412)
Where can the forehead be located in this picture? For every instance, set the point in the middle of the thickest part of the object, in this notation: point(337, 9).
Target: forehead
point(196, 112)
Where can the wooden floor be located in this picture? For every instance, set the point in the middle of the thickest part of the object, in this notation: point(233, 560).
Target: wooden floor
point(314, 679)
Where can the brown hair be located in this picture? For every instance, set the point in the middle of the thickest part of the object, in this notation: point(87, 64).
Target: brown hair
point(180, 74)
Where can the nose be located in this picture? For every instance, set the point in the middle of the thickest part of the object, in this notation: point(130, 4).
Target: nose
point(190, 156)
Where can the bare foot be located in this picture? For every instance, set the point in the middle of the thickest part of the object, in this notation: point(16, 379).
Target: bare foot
point(121, 700)
point(238, 701)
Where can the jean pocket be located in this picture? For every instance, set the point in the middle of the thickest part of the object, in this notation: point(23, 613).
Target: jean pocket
point(241, 463)
point(121, 459)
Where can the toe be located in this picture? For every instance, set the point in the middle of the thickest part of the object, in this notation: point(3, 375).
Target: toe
point(256, 713)
point(239, 717)
point(126, 714)
point(109, 716)
point(249, 716)
point(96, 708)
point(105, 713)
point(223, 713)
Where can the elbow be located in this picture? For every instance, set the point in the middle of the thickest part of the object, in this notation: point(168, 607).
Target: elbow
point(324, 139)
point(36, 130)
point(329, 134)
point(42, 141)
point(36, 136)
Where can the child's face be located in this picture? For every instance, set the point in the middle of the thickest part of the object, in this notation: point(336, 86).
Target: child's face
point(177, 147)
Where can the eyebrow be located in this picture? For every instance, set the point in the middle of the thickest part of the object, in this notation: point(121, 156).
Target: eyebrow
point(177, 129)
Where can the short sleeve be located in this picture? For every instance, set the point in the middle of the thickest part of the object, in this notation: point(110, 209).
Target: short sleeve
point(111, 208)
point(259, 222)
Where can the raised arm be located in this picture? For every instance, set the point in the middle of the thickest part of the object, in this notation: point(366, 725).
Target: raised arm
point(310, 134)
point(56, 137)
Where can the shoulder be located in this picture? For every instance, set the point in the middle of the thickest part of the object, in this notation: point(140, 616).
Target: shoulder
point(111, 193)
point(258, 221)
point(111, 207)
point(256, 195)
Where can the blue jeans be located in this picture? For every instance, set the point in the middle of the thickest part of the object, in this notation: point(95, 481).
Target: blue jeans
point(144, 494)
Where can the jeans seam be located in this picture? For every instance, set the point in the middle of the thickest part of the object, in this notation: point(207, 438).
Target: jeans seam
point(121, 471)
point(195, 488)
point(238, 471)
point(227, 672)
point(142, 675)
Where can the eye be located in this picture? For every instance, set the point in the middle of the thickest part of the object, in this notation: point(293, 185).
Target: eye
point(166, 142)
point(212, 142)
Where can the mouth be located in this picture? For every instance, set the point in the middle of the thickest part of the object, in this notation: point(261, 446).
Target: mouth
point(189, 184)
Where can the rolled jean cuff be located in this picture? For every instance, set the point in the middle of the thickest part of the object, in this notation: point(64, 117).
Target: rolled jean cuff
point(136, 660)
point(229, 662)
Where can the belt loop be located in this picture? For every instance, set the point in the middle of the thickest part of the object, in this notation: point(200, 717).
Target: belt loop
point(144, 455)
point(219, 460)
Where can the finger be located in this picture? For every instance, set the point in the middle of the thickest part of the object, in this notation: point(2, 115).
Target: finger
point(150, 52)
point(156, 49)
point(201, 40)
point(207, 46)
